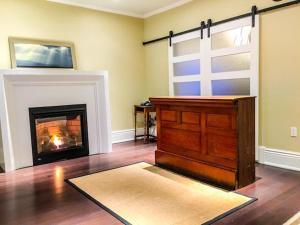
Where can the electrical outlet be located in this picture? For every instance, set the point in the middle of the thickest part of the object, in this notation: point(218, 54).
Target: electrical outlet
point(294, 132)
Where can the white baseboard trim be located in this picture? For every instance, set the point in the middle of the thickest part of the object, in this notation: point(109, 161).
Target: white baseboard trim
point(2, 166)
point(2, 159)
point(279, 158)
point(124, 135)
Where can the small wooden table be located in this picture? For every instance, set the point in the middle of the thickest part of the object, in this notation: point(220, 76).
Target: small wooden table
point(146, 110)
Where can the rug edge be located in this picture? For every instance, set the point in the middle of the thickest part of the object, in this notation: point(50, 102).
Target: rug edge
point(124, 221)
point(118, 217)
point(222, 216)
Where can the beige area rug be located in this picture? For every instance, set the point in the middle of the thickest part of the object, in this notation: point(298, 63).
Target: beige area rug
point(295, 220)
point(143, 194)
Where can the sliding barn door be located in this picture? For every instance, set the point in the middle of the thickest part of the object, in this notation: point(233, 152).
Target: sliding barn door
point(224, 62)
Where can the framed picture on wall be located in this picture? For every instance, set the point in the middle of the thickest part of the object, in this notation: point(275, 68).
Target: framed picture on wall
point(32, 53)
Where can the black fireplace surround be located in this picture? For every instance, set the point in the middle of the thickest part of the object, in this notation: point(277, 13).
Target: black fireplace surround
point(58, 132)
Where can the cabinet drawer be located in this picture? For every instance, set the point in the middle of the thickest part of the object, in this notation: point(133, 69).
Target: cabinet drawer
point(190, 118)
point(168, 115)
point(222, 146)
point(224, 121)
point(181, 138)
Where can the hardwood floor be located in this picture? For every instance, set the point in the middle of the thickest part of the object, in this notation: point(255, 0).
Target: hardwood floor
point(39, 195)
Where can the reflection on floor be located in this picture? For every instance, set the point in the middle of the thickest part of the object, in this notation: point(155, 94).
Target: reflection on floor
point(39, 195)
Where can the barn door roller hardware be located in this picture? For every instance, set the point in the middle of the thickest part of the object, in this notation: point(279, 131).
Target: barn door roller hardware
point(209, 23)
point(202, 27)
point(253, 13)
point(171, 33)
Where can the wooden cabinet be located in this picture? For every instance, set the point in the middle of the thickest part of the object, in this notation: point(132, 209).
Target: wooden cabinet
point(212, 138)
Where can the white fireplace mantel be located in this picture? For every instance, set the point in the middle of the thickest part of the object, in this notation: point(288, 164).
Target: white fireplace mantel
point(22, 89)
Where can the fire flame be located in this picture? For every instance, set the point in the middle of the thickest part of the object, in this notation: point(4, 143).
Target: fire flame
point(57, 141)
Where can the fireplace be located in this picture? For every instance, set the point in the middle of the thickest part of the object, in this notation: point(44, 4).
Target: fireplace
point(58, 132)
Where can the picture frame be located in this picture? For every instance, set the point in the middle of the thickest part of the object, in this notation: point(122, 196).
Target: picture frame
point(35, 53)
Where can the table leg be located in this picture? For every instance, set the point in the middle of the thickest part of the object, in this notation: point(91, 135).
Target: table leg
point(147, 128)
point(134, 125)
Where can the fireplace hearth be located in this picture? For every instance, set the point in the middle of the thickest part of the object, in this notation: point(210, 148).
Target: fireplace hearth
point(58, 132)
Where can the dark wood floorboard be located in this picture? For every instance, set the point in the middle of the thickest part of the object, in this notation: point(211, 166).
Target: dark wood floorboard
point(39, 195)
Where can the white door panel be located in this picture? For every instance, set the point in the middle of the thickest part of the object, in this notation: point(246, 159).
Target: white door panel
point(227, 63)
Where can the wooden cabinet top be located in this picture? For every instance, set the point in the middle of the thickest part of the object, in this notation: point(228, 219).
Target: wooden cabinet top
point(198, 99)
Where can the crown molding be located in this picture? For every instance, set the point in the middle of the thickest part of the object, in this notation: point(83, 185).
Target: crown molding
point(123, 12)
point(103, 9)
point(166, 8)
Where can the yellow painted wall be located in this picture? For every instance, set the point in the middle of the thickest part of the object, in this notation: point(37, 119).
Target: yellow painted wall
point(102, 41)
point(279, 60)
point(113, 42)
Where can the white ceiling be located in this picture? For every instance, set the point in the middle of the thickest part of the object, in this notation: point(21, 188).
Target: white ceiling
point(136, 8)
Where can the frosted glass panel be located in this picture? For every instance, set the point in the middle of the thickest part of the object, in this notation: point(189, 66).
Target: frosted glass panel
point(231, 38)
point(231, 87)
point(186, 47)
point(192, 88)
point(231, 63)
point(187, 68)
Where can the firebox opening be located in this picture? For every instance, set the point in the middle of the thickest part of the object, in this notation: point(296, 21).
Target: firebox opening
point(58, 132)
